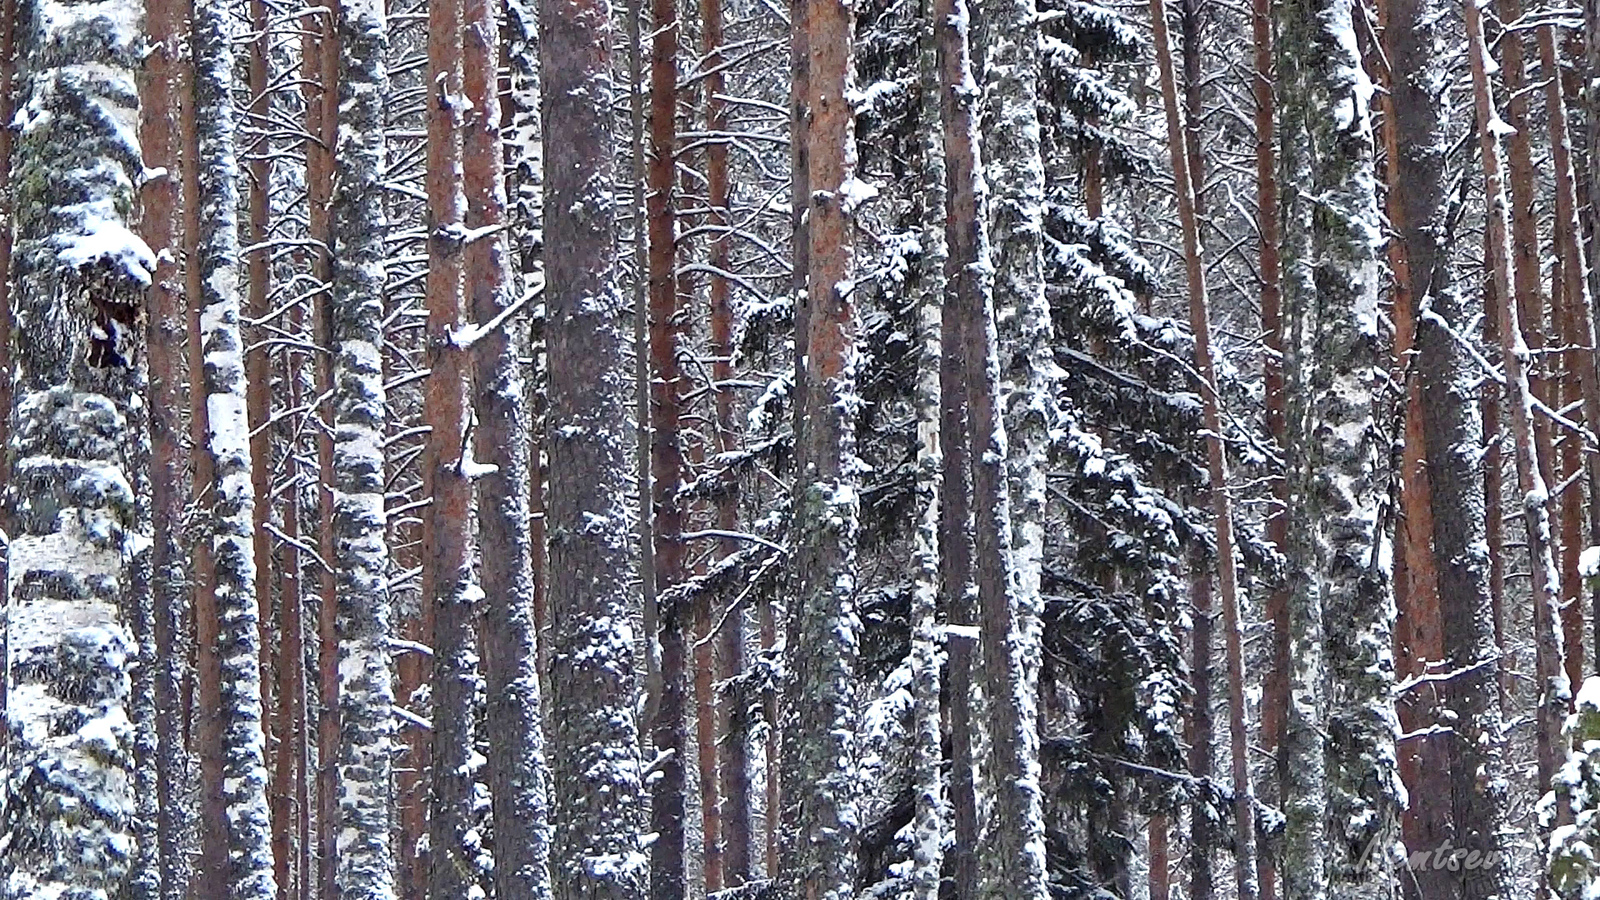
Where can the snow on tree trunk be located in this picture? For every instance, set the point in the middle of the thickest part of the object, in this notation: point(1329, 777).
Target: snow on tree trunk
point(595, 763)
point(1010, 544)
point(1343, 616)
point(77, 449)
point(249, 865)
point(930, 822)
point(1555, 691)
point(365, 860)
point(517, 773)
point(1452, 430)
point(819, 819)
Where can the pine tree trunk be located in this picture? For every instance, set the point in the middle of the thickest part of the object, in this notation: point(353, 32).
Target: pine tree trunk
point(1577, 325)
point(449, 593)
point(1554, 691)
point(965, 276)
point(77, 451)
point(365, 869)
point(513, 723)
point(1182, 156)
point(166, 328)
point(1010, 512)
point(1415, 202)
point(595, 764)
point(666, 459)
point(818, 820)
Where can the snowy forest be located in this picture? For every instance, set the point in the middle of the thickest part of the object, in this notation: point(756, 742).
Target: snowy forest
point(800, 449)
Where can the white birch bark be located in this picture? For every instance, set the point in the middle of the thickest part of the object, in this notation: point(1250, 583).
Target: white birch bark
point(364, 869)
point(77, 446)
point(244, 773)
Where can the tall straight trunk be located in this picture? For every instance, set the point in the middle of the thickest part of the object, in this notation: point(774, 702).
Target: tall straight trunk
point(1010, 518)
point(1200, 729)
point(818, 820)
point(965, 270)
point(1342, 791)
point(595, 764)
point(733, 717)
point(513, 722)
point(166, 328)
point(1494, 486)
point(77, 448)
point(449, 592)
point(1453, 433)
point(258, 400)
point(1526, 266)
point(292, 648)
point(1412, 122)
point(321, 60)
point(1227, 571)
point(666, 458)
point(1554, 691)
point(1275, 690)
point(930, 823)
point(365, 869)
point(1577, 324)
point(240, 725)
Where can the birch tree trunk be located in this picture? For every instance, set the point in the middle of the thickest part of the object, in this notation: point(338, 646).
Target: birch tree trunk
point(1010, 529)
point(76, 450)
point(1343, 791)
point(595, 763)
point(365, 859)
point(240, 727)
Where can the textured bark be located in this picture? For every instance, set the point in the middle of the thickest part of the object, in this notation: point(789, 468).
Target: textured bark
point(518, 776)
point(929, 817)
point(966, 271)
point(365, 869)
point(77, 447)
point(1578, 329)
point(1554, 691)
point(819, 820)
point(166, 328)
point(320, 61)
point(733, 712)
point(1200, 729)
point(1010, 520)
point(1416, 194)
point(666, 459)
point(449, 594)
point(1342, 791)
point(1227, 571)
point(595, 761)
point(242, 775)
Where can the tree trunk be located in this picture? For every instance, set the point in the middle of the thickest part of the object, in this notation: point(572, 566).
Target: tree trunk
point(1010, 505)
point(1227, 571)
point(1577, 327)
point(818, 820)
point(166, 329)
point(1554, 690)
point(77, 452)
point(365, 693)
point(239, 727)
point(595, 765)
point(1342, 792)
point(513, 722)
point(965, 274)
point(666, 459)
point(1416, 194)
point(449, 593)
